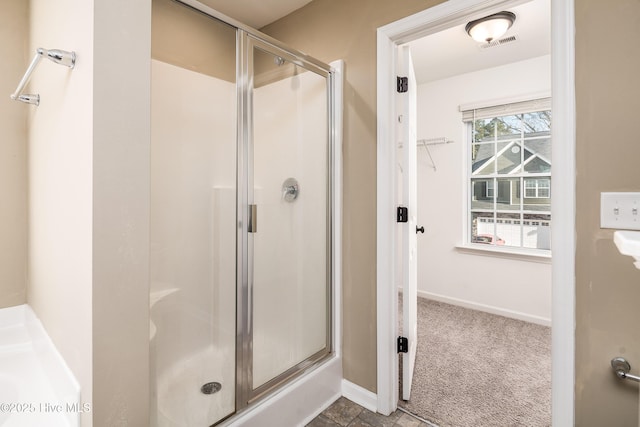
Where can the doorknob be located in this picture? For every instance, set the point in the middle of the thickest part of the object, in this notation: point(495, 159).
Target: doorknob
point(419, 229)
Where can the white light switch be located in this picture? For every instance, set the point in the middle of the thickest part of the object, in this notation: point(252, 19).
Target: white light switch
point(620, 211)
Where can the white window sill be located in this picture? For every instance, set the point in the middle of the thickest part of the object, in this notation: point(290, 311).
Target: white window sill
point(521, 254)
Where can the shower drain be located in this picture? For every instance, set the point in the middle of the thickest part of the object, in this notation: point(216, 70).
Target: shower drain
point(210, 388)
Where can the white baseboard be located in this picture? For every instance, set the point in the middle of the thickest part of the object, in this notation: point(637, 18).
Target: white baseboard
point(539, 320)
point(360, 395)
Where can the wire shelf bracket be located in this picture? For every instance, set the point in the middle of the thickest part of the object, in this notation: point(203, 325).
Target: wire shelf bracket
point(433, 141)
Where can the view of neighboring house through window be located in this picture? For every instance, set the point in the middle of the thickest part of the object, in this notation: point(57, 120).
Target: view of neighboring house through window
point(510, 175)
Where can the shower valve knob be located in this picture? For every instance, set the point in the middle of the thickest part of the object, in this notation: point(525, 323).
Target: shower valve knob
point(290, 189)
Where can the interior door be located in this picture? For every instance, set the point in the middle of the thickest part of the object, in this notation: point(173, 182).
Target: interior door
point(407, 106)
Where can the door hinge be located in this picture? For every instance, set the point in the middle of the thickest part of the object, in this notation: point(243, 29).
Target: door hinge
point(403, 214)
point(402, 84)
point(403, 345)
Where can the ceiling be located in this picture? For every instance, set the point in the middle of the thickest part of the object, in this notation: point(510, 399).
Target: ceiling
point(444, 54)
point(255, 13)
point(452, 52)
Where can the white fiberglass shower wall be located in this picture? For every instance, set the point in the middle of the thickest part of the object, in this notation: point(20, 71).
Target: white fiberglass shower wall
point(241, 203)
point(192, 243)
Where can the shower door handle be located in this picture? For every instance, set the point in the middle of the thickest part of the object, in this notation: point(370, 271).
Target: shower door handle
point(253, 219)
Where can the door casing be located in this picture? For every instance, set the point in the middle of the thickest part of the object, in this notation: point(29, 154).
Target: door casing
point(432, 20)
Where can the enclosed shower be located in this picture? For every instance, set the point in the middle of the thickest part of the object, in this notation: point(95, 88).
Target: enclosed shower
point(241, 215)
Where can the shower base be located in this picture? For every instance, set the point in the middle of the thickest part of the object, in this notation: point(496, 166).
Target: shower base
point(180, 400)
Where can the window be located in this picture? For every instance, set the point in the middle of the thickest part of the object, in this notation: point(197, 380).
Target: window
point(489, 190)
point(509, 176)
point(537, 188)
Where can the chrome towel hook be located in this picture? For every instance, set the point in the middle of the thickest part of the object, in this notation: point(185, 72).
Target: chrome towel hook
point(62, 57)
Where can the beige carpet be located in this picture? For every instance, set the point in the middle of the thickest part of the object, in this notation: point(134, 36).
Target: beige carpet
point(475, 369)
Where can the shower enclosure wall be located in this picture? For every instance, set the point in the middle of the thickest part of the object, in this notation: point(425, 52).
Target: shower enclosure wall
point(241, 215)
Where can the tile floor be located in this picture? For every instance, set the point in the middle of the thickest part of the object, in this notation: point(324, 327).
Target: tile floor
point(345, 413)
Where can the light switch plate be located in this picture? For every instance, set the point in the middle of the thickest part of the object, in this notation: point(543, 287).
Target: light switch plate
point(620, 211)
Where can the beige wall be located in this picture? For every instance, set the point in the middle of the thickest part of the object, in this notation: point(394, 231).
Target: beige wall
point(330, 30)
point(191, 40)
point(14, 36)
point(607, 284)
point(89, 199)
point(608, 287)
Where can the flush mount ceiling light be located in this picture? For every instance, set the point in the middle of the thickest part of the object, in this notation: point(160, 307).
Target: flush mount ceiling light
point(490, 27)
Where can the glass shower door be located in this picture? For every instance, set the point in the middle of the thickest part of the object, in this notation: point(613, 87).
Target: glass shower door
point(289, 228)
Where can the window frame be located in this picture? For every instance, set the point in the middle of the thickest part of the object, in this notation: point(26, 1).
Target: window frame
point(489, 189)
point(537, 188)
point(526, 216)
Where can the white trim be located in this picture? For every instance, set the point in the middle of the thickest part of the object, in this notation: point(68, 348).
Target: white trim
point(441, 17)
point(337, 108)
point(387, 297)
point(513, 314)
point(430, 21)
point(360, 395)
point(563, 212)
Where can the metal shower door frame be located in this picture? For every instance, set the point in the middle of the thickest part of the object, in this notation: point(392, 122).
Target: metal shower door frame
point(246, 43)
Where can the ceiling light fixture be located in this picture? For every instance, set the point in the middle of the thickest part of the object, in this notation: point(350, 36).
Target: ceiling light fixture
point(490, 27)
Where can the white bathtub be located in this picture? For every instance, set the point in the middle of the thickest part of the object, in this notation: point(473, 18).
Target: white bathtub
point(36, 386)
